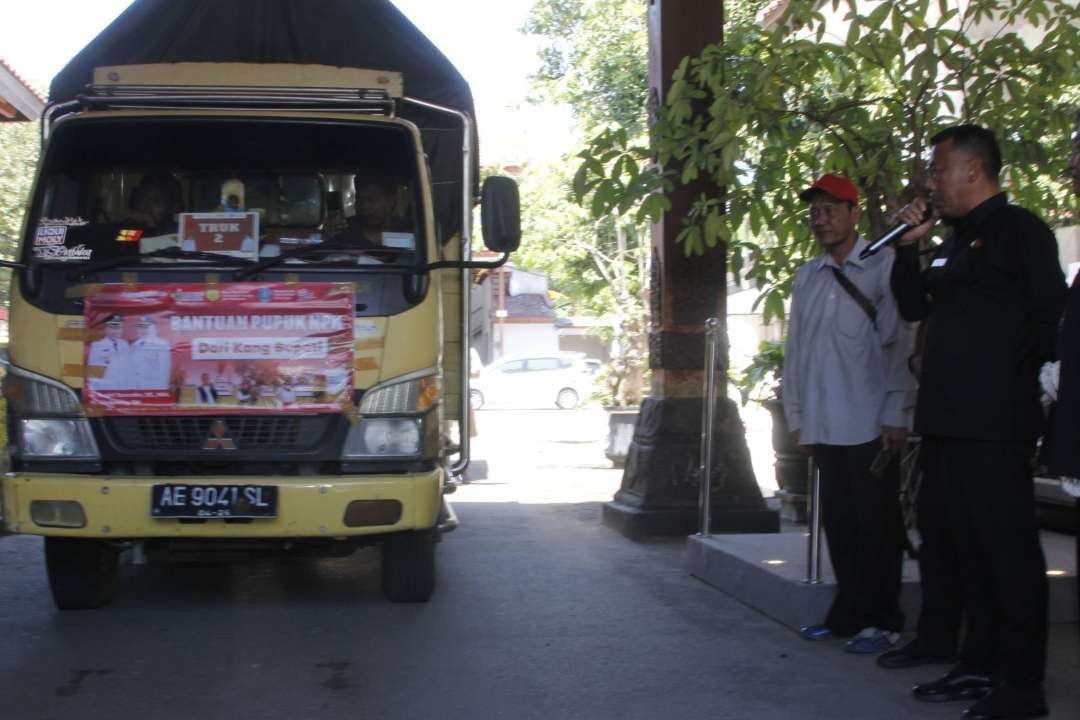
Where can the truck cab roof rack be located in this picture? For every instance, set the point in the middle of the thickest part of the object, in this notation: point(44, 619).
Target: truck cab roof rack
point(374, 100)
point(371, 101)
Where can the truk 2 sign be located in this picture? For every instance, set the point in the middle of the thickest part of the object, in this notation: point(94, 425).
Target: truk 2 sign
point(186, 349)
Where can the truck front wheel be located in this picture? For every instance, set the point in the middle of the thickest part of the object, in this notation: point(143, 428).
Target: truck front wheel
point(82, 573)
point(408, 566)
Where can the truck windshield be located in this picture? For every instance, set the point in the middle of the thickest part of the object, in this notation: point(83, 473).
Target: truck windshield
point(238, 189)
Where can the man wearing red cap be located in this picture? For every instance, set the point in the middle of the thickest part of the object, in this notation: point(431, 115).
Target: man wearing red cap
point(847, 396)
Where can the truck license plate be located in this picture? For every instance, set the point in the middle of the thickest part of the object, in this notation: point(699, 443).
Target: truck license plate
point(214, 501)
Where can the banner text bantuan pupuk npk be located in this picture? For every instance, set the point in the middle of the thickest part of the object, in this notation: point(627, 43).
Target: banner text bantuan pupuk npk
point(176, 349)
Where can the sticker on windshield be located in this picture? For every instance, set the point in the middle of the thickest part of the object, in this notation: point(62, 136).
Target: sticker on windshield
point(313, 239)
point(50, 235)
point(68, 221)
point(62, 253)
point(364, 329)
point(403, 240)
point(226, 233)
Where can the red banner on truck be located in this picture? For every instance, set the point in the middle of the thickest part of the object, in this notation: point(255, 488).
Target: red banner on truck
point(190, 349)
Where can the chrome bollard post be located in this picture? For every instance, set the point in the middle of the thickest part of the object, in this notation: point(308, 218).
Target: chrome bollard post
point(708, 413)
point(813, 541)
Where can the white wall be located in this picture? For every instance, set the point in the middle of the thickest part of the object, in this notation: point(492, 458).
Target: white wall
point(527, 283)
point(525, 338)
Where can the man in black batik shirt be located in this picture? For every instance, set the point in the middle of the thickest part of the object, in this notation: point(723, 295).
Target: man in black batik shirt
point(991, 297)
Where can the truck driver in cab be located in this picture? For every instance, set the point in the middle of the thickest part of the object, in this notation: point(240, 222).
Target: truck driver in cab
point(376, 208)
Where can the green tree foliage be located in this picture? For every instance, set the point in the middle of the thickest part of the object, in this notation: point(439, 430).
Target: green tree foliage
point(595, 266)
point(766, 111)
point(19, 146)
point(594, 58)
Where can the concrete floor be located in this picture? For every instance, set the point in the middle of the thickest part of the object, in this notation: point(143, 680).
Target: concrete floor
point(541, 612)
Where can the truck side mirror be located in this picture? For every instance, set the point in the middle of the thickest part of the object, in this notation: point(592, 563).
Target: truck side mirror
point(500, 214)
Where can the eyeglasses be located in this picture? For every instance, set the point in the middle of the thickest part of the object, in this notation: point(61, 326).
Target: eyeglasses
point(827, 211)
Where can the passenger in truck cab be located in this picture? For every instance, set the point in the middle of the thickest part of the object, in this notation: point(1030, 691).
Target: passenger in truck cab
point(376, 206)
point(155, 201)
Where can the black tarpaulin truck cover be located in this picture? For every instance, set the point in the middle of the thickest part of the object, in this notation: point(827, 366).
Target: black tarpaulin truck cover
point(370, 34)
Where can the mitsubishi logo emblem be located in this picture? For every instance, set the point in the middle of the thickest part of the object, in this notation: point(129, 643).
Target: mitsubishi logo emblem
point(219, 437)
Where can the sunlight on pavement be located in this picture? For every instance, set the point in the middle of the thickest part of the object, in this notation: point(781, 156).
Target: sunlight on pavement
point(540, 456)
point(589, 486)
point(551, 456)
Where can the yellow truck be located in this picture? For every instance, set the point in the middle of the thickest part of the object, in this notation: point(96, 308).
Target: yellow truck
point(239, 315)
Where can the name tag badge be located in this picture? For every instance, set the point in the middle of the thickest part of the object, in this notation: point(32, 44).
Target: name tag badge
point(939, 262)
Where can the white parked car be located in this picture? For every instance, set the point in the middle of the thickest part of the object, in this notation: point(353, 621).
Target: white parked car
point(562, 379)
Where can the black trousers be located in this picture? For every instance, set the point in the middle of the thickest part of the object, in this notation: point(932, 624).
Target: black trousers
point(990, 509)
point(940, 587)
point(864, 529)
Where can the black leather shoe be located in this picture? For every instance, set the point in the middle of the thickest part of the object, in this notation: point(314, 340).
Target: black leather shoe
point(1008, 702)
point(912, 654)
point(954, 685)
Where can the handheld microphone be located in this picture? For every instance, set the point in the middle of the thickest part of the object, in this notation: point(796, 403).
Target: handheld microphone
point(891, 235)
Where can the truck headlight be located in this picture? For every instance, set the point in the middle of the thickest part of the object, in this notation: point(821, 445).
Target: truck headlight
point(394, 419)
point(48, 419)
point(47, 438)
point(384, 437)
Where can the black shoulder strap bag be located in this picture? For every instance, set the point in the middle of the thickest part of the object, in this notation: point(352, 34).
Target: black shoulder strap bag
point(856, 294)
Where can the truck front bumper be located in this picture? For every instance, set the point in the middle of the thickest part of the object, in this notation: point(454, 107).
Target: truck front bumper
point(119, 508)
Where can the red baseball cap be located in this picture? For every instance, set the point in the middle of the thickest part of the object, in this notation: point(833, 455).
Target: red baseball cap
point(836, 185)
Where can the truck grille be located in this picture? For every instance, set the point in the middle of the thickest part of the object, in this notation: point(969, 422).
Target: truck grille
point(249, 433)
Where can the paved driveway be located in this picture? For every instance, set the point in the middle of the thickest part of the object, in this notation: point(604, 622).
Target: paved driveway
point(541, 612)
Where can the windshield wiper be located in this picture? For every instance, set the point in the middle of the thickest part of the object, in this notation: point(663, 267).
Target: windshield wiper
point(321, 249)
point(169, 252)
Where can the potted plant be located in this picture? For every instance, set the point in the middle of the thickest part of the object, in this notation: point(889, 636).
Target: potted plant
point(622, 403)
point(761, 381)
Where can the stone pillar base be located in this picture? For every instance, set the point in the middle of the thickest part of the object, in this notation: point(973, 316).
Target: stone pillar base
point(661, 482)
point(637, 524)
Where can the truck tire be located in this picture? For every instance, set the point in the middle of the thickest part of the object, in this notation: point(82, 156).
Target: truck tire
point(408, 566)
point(82, 573)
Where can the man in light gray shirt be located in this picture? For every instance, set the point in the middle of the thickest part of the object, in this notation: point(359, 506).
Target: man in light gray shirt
point(847, 395)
